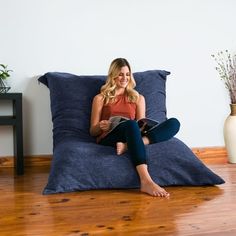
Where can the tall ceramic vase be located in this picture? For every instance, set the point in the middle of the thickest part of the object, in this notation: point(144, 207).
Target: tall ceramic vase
point(230, 134)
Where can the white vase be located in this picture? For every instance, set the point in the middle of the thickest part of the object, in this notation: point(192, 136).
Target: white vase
point(230, 134)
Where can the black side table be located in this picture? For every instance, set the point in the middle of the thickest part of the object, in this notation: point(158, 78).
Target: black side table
point(16, 121)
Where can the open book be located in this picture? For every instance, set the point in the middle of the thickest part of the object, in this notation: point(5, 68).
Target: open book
point(145, 124)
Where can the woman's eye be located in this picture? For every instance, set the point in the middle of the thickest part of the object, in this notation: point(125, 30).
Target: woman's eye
point(128, 74)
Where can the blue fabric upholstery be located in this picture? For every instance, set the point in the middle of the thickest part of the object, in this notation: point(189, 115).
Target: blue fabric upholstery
point(71, 98)
point(81, 164)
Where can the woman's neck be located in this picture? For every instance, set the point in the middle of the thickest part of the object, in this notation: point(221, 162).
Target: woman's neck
point(120, 91)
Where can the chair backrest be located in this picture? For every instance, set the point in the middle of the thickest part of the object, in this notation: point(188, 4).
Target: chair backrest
point(71, 99)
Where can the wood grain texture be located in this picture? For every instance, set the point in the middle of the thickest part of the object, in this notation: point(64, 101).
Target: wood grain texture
point(36, 160)
point(211, 154)
point(206, 154)
point(189, 210)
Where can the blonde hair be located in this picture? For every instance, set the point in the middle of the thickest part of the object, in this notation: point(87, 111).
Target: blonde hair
point(108, 89)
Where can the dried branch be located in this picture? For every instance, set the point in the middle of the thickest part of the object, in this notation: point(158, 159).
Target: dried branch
point(226, 67)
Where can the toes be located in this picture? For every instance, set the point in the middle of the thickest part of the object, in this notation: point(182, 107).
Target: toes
point(155, 190)
point(156, 194)
point(118, 149)
point(160, 193)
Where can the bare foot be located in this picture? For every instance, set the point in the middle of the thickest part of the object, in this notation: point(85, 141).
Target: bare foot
point(121, 148)
point(153, 189)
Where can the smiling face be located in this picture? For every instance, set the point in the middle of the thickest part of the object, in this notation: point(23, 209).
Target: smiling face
point(119, 81)
point(123, 77)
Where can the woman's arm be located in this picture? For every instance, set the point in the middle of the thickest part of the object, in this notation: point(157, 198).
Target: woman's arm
point(96, 115)
point(96, 124)
point(141, 108)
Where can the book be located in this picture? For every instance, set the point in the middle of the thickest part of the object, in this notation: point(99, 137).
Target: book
point(145, 124)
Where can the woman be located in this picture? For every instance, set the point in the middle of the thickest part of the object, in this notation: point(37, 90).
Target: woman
point(119, 98)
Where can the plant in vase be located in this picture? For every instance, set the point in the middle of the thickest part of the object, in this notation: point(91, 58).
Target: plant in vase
point(4, 74)
point(226, 67)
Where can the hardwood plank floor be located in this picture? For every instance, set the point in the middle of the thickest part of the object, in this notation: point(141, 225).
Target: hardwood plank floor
point(189, 210)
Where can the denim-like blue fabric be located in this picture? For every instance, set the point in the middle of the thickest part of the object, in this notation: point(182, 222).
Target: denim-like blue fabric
point(81, 164)
point(71, 99)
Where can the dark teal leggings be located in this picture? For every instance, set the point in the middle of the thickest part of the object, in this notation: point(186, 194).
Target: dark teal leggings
point(129, 132)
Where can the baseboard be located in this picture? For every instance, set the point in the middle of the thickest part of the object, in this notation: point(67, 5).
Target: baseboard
point(209, 155)
point(34, 160)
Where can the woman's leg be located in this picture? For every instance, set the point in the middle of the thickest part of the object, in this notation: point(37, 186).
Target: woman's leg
point(164, 131)
point(122, 147)
point(128, 132)
point(148, 185)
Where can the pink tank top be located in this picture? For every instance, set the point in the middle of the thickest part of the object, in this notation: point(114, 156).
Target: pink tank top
point(121, 107)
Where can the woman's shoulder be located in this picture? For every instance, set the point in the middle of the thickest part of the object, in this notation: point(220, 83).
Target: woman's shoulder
point(98, 98)
point(140, 99)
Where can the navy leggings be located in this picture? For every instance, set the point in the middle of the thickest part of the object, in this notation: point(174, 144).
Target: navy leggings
point(129, 132)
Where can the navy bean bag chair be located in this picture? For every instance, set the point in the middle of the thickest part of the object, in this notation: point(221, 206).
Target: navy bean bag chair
point(81, 164)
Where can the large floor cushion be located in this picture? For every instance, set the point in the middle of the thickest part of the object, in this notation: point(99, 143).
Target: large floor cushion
point(81, 164)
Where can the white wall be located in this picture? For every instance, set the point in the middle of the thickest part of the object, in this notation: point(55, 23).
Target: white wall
point(82, 37)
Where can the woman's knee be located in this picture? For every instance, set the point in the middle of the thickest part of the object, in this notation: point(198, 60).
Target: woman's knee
point(132, 129)
point(164, 131)
point(131, 124)
point(174, 124)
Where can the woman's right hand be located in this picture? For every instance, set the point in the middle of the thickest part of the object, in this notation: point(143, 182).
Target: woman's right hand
point(105, 125)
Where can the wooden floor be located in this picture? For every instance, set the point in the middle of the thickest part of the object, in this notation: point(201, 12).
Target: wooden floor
point(189, 211)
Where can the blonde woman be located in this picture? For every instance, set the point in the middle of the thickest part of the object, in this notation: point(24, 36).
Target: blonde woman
point(119, 98)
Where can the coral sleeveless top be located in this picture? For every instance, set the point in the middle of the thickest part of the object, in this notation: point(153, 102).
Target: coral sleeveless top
point(121, 107)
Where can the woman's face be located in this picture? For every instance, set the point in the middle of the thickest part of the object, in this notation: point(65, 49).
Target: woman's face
point(123, 78)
